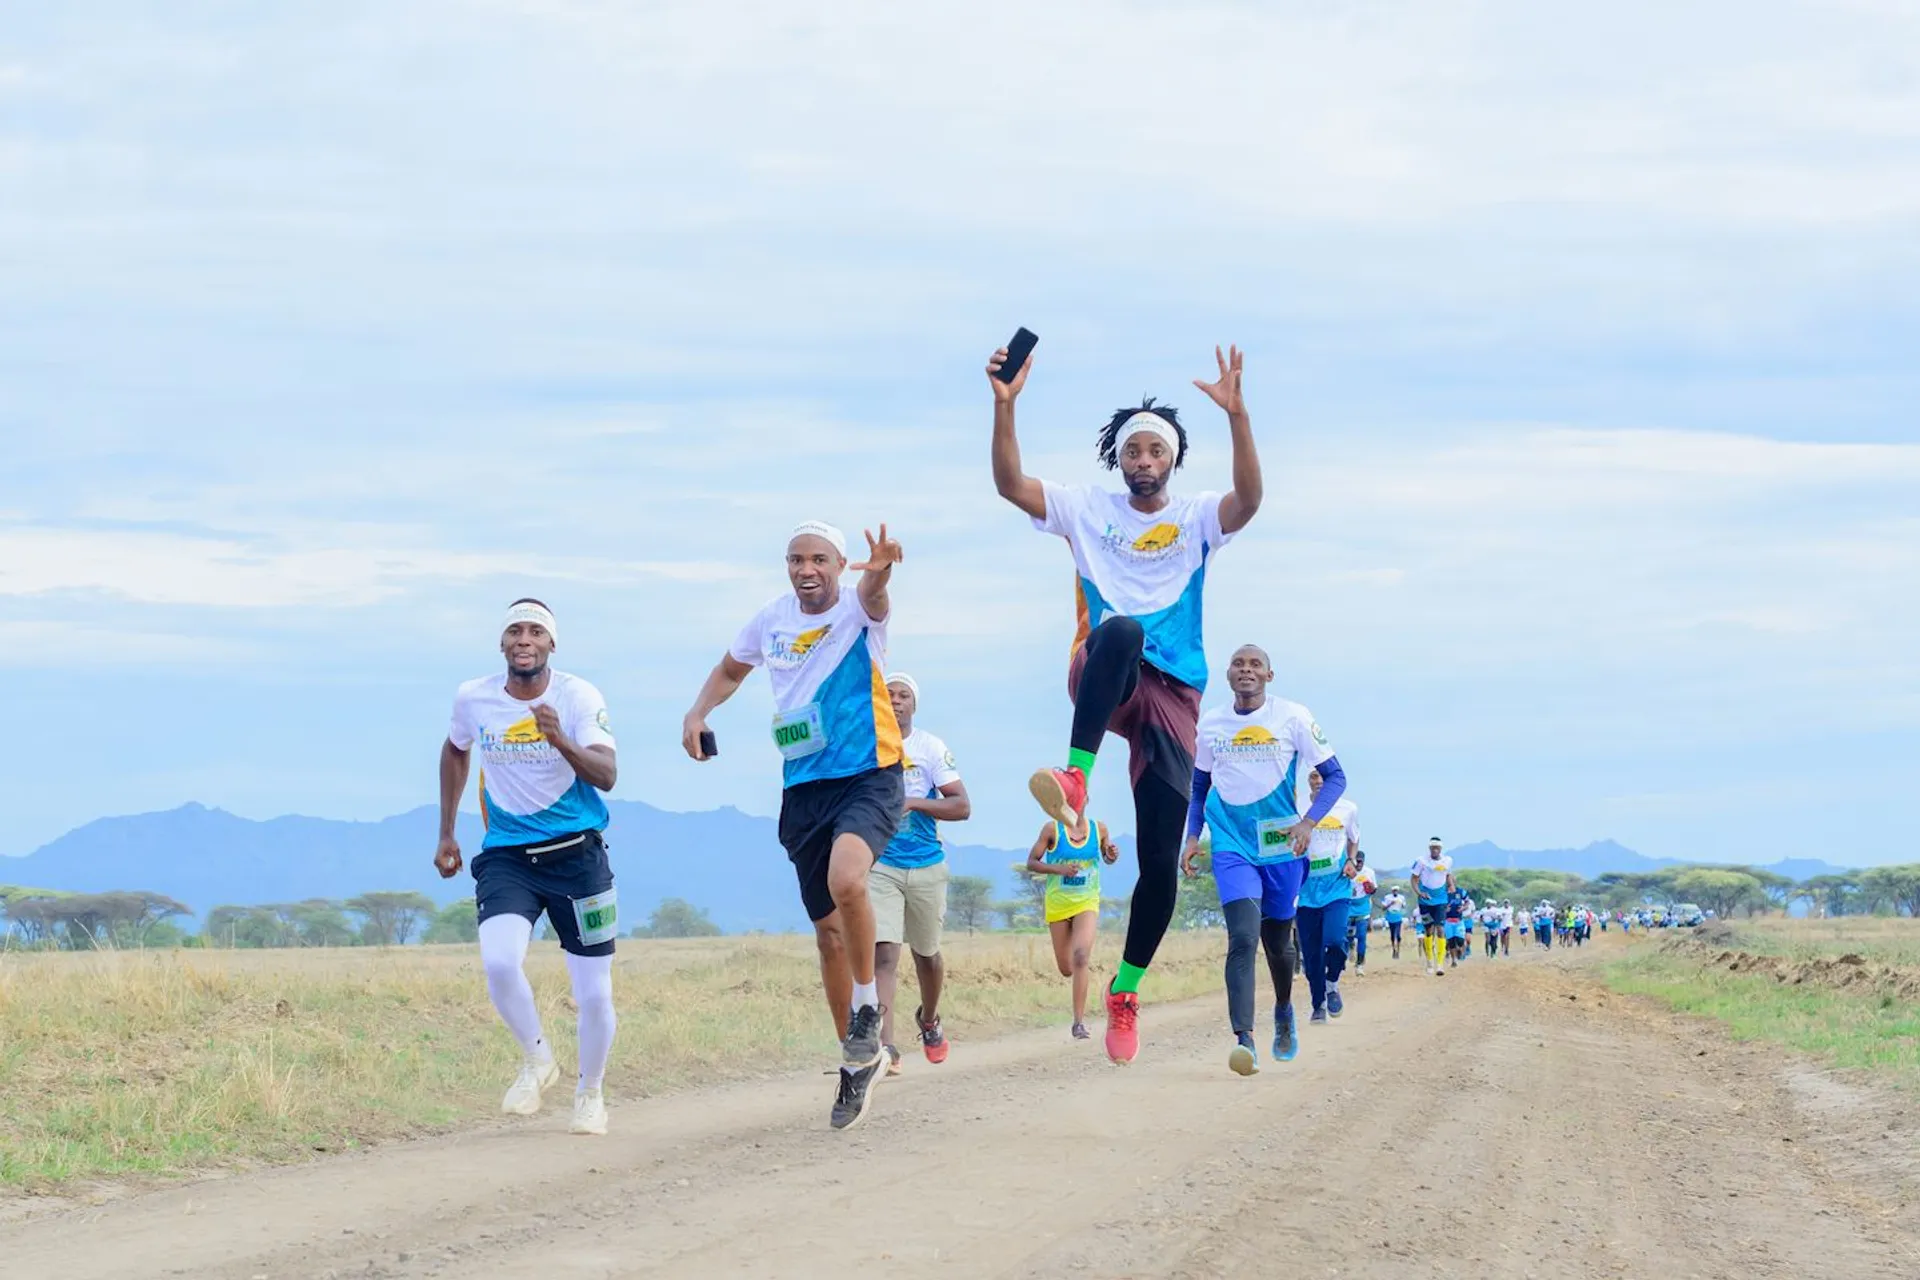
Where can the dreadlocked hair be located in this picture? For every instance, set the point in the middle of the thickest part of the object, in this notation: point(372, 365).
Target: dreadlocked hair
point(1109, 442)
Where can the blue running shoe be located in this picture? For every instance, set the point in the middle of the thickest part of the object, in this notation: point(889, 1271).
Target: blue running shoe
point(1244, 1060)
point(1334, 1005)
point(1318, 1015)
point(1286, 1045)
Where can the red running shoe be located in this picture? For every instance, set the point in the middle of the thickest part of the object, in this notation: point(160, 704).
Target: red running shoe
point(1062, 793)
point(1123, 1017)
point(932, 1038)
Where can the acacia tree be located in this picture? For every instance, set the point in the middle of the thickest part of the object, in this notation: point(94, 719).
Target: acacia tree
point(1898, 887)
point(389, 917)
point(969, 902)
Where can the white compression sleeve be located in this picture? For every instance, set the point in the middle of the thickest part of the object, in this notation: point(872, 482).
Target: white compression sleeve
point(503, 952)
point(593, 992)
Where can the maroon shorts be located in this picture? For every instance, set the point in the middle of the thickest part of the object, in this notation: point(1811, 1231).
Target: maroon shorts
point(1158, 721)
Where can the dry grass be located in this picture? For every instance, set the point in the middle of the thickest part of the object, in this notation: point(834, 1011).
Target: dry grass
point(152, 1062)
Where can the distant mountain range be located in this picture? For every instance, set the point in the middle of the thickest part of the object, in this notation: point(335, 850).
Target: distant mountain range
point(723, 860)
point(728, 862)
point(1606, 855)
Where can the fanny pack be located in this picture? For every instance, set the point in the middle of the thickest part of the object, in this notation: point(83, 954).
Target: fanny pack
point(556, 848)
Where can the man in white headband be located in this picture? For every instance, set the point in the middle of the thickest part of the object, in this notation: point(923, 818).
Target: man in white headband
point(1139, 664)
point(546, 754)
point(824, 651)
point(908, 885)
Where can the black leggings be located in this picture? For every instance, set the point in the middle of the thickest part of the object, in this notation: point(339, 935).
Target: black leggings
point(1108, 678)
point(1159, 818)
point(1275, 937)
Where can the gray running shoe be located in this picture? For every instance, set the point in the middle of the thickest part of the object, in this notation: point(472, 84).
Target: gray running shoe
point(862, 1048)
point(1080, 1031)
point(855, 1092)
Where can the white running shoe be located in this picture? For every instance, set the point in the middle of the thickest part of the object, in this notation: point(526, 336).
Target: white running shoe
point(589, 1113)
point(535, 1078)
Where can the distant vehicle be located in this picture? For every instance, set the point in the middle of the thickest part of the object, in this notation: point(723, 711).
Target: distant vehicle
point(1688, 915)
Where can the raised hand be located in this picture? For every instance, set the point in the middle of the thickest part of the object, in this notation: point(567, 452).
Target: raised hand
point(1004, 392)
point(1226, 391)
point(882, 552)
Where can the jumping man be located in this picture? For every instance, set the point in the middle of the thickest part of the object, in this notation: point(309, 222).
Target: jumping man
point(546, 754)
point(1138, 665)
point(834, 726)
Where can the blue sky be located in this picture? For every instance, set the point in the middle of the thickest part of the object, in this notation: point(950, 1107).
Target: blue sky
point(1580, 353)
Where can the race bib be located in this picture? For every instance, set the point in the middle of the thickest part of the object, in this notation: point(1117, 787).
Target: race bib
point(598, 918)
point(1273, 842)
point(1075, 882)
point(799, 733)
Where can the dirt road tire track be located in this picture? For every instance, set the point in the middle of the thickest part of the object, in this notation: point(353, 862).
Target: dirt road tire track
point(1511, 1119)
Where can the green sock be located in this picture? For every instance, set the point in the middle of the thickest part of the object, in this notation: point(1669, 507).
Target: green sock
point(1081, 760)
point(1128, 979)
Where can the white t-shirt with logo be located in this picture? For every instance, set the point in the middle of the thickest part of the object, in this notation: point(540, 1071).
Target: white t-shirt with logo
point(1364, 884)
point(528, 791)
point(1257, 762)
point(1146, 566)
point(928, 766)
point(832, 717)
point(1430, 879)
point(1327, 853)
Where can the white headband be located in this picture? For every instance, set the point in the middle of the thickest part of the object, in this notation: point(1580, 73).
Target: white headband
point(821, 529)
point(528, 611)
point(913, 686)
point(1151, 423)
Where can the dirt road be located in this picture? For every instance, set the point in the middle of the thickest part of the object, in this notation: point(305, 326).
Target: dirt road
point(1509, 1120)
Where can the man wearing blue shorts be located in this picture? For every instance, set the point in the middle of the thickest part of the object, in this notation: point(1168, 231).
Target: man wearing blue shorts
point(1395, 911)
point(1246, 793)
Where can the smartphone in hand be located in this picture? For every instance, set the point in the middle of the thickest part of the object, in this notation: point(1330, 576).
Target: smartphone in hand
point(709, 745)
point(1018, 349)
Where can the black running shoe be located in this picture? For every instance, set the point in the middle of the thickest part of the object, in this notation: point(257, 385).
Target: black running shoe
point(855, 1092)
point(862, 1048)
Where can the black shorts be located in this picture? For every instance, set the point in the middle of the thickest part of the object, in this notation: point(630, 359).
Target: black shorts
point(1433, 913)
point(525, 880)
point(814, 814)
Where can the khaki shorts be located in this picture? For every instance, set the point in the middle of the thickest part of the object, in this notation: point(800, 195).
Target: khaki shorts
point(909, 905)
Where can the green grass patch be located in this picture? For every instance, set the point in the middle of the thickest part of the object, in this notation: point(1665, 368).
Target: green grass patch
point(1878, 1032)
point(126, 1063)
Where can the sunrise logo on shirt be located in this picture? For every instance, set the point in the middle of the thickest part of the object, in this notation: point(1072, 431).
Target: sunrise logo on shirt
point(1254, 742)
point(1161, 537)
point(795, 651)
point(521, 732)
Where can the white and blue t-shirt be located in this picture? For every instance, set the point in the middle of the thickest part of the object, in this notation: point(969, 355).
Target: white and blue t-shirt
point(1258, 762)
point(928, 767)
point(1429, 878)
point(1148, 566)
point(831, 714)
point(1327, 853)
point(528, 791)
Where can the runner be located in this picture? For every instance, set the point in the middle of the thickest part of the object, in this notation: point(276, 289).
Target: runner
point(1322, 918)
point(1467, 912)
point(1543, 924)
point(1506, 926)
point(546, 754)
point(1360, 912)
point(1432, 878)
point(1071, 858)
point(908, 885)
point(1138, 666)
point(843, 793)
point(1490, 928)
point(1246, 792)
point(1453, 930)
point(1395, 911)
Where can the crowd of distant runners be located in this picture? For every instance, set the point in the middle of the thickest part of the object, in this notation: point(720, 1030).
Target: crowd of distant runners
point(1249, 788)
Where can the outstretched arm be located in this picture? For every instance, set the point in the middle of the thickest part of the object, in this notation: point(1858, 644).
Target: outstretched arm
point(1238, 507)
point(722, 683)
point(876, 571)
point(1015, 485)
